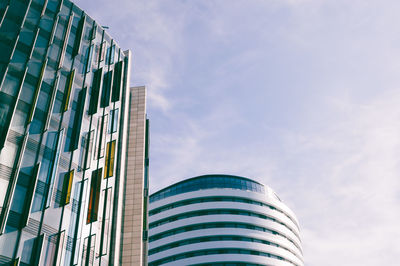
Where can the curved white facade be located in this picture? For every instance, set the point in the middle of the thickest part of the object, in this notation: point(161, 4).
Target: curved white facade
point(221, 220)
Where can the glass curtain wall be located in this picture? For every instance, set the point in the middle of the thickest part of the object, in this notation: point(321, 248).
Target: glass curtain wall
point(61, 78)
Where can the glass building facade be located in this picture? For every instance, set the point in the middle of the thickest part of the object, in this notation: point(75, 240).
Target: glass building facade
point(222, 220)
point(64, 90)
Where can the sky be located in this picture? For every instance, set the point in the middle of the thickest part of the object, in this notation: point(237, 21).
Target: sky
point(301, 95)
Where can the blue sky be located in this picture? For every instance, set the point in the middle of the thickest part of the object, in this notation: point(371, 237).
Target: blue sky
point(302, 95)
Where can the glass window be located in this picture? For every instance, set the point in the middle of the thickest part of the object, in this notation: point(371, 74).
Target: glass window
point(105, 226)
point(88, 250)
point(101, 136)
point(35, 98)
point(19, 211)
point(78, 37)
point(93, 32)
point(52, 6)
point(36, 250)
point(67, 187)
point(105, 94)
point(102, 52)
point(45, 171)
point(86, 150)
point(51, 249)
point(76, 129)
point(94, 97)
point(113, 125)
point(5, 115)
point(109, 163)
point(89, 56)
point(117, 81)
point(94, 196)
point(68, 88)
point(54, 165)
point(110, 55)
point(208, 182)
point(46, 24)
point(20, 56)
point(41, 44)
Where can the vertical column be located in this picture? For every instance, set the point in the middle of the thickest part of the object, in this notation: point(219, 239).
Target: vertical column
point(132, 228)
point(146, 195)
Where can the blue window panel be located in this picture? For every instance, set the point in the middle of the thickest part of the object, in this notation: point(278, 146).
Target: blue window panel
point(89, 56)
point(94, 97)
point(6, 110)
point(110, 55)
point(78, 36)
point(117, 81)
point(54, 167)
point(44, 178)
point(76, 129)
point(113, 125)
point(105, 94)
point(208, 182)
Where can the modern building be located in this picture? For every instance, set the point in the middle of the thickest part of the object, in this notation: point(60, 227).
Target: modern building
point(73, 141)
point(222, 220)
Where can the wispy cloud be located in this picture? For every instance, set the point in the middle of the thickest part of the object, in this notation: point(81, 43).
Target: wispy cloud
point(348, 199)
point(299, 94)
point(153, 35)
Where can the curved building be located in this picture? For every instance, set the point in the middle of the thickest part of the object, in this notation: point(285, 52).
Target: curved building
point(221, 220)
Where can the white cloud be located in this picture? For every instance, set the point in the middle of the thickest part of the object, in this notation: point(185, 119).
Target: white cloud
point(300, 94)
point(347, 199)
point(153, 35)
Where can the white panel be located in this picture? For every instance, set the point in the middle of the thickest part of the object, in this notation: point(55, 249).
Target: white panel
point(286, 224)
point(227, 244)
point(228, 218)
point(228, 231)
point(227, 205)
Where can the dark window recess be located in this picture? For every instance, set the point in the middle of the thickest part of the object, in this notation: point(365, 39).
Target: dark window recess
point(116, 88)
point(94, 197)
point(68, 88)
point(110, 55)
point(145, 235)
point(78, 120)
point(94, 97)
point(22, 198)
point(89, 56)
point(29, 196)
point(3, 6)
point(78, 38)
point(147, 143)
point(86, 151)
point(93, 32)
point(102, 51)
point(37, 250)
point(15, 261)
point(101, 136)
point(36, 96)
point(105, 225)
point(65, 42)
point(7, 104)
point(54, 161)
point(105, 94)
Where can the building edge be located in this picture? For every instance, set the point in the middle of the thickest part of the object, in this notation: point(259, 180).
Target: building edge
point(135, 182)
point(118, 208)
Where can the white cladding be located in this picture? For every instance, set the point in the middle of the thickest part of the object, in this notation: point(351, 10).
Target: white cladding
point(215, 226)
